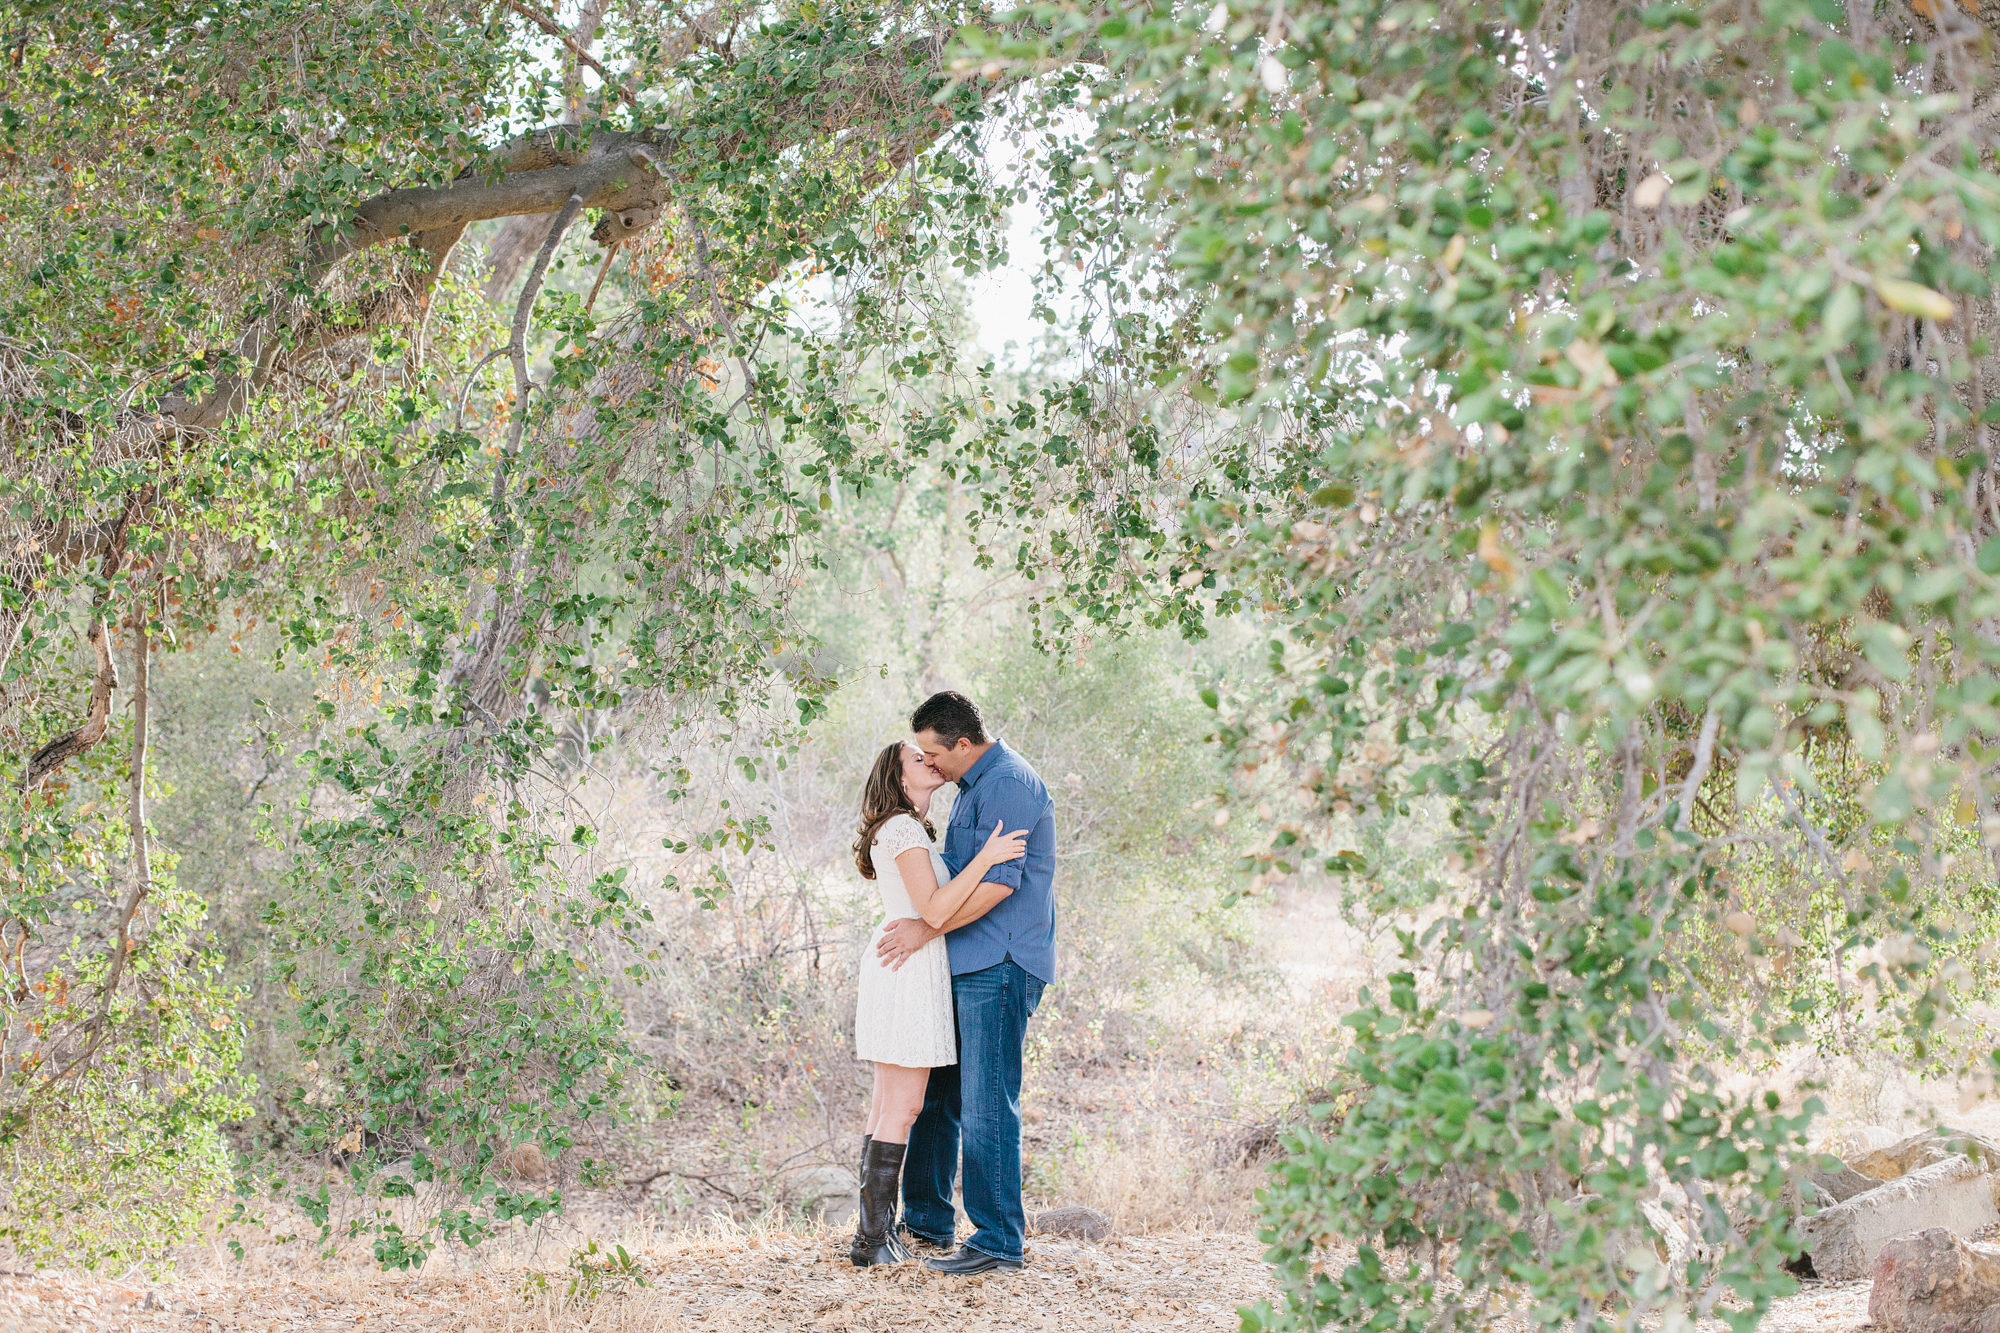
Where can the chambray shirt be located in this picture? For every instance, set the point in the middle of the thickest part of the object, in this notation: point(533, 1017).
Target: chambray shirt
point(1001, 788)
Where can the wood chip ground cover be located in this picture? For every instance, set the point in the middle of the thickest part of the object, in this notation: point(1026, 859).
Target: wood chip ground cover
point(709, 1285)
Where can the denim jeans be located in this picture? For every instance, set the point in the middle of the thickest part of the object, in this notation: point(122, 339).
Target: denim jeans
point(973, 1108)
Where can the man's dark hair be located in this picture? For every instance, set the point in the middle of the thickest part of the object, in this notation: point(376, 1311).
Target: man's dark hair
point(952, 716)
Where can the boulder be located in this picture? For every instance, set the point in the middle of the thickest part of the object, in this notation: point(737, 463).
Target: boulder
point(1954, 1194)
point(1930, 1281)
point(830, 1194)
point(524, 1161)
point(1810, 1185)
point(1074, 1221)
point(1927, 1149)
point(1867, 1138)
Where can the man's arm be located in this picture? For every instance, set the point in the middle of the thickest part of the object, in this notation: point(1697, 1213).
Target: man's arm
point(981, 901)
point(906, 936)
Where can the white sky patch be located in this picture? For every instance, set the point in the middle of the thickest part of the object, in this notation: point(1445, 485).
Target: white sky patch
point(1002, 301)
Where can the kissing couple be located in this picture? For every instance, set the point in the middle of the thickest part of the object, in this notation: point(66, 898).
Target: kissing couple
point(948, 983)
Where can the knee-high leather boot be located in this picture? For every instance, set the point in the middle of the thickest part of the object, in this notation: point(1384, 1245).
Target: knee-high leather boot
point(881, 1183)
point(854, 1250)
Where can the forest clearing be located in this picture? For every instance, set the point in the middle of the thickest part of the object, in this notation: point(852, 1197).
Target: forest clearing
point(1295, 665)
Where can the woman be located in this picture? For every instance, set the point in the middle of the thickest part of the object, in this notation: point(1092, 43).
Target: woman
point(903, 1019)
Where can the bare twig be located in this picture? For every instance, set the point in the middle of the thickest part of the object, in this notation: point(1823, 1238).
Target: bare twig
point(470, 379)
point(727, 1193)
point(610, 253)
point(1704, 753)
point(517, 339)
point(561, 34)
point(142, 861)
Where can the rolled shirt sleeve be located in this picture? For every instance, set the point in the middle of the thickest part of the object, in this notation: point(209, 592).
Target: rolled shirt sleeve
point(1012, 804)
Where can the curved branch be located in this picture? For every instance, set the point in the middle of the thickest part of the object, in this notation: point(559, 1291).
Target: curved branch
point(432, 218)
point(42, 765)
point(481, 674)
point(517, 339)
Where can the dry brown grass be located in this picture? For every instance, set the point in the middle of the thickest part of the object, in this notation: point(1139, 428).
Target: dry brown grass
point(1146, 1078)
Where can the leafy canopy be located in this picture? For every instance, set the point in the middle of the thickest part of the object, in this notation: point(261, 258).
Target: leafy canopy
point(1627, 497)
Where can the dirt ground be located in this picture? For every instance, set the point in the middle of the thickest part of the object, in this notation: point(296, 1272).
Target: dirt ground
point(764, 1283)
point(759, 1283)
point(1822, 1307)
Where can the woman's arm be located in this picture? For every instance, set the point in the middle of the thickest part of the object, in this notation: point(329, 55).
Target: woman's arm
point(903, 938)
point(938, 905)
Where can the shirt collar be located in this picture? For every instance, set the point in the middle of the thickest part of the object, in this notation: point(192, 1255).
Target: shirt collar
point(985, 761)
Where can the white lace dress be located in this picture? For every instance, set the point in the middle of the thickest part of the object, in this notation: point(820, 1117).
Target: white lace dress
point(904, 1016)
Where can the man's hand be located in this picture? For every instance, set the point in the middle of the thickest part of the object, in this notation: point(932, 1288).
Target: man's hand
point(904, 937)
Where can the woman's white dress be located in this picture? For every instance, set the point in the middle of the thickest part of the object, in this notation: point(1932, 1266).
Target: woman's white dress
point(904, 1016)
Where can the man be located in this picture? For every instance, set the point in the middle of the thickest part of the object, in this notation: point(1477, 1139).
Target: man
point(1002, 944)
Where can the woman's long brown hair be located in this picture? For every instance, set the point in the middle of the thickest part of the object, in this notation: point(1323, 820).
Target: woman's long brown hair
point(882, 799)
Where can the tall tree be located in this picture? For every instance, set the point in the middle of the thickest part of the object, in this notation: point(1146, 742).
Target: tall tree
point(248, 372)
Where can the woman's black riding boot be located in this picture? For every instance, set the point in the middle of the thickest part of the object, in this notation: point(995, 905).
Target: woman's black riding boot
point(881, 1182)
point(860, 1184)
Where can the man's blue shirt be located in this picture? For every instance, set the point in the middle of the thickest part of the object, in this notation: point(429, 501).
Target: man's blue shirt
point(1002, 788)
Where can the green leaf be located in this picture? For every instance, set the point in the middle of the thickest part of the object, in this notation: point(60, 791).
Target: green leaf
point(1914, 299)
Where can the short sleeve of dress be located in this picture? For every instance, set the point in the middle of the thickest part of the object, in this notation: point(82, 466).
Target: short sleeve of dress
point(899, 835)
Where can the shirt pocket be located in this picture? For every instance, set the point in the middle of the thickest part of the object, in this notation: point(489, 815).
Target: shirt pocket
point(961, 835)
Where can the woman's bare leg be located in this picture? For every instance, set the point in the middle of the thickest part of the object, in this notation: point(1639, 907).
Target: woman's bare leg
point(875, 1102)
point(898, 1100)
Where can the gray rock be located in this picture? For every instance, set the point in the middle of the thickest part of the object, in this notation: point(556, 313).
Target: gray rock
point(1868, 1138)
point(831, 1194)
point(1926, 1149)
point(1954, 1194)
point(1930, 1281)
point(1075, 1221)
point(1811, 1186)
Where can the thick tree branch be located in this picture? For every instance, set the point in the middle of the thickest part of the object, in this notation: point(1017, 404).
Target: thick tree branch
point(536, 174)
point(619, 178)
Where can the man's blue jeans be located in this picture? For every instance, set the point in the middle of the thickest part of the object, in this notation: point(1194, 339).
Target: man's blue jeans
point(974, 1108)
